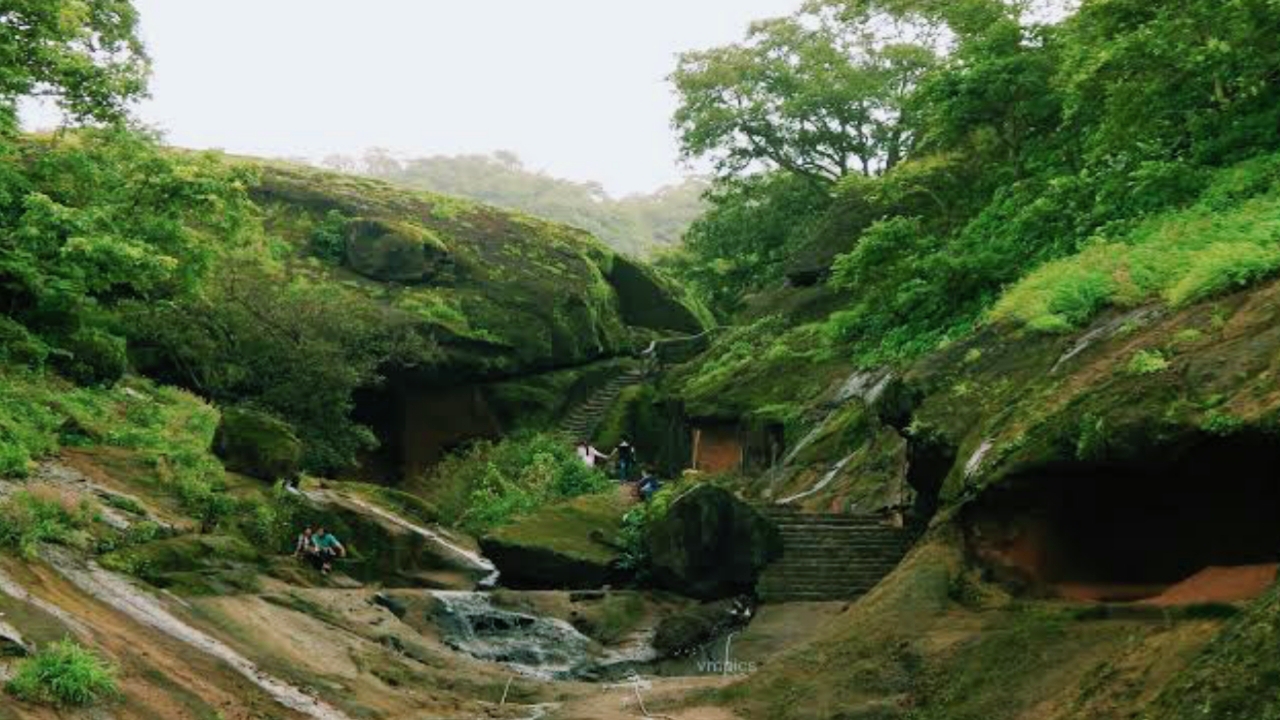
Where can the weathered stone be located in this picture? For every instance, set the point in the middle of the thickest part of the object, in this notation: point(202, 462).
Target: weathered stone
point(567, 546)
point(711, 545)
point(650, 301)
point(394, 251)
point(258, 445)
point(12, 644)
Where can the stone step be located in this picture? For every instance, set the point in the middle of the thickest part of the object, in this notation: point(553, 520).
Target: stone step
point(830, 522)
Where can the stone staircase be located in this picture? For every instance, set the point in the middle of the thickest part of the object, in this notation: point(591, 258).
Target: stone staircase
point(582, 421)
point(829, 556)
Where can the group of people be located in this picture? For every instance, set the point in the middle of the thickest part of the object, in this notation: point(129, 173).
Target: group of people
point(625, 465)
point(319, 547)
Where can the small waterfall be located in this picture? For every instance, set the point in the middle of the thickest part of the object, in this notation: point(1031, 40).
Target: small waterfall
point(540, 647)
point(825, 481)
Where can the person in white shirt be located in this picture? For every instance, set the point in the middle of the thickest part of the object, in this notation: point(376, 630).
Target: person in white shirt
point(588, 454)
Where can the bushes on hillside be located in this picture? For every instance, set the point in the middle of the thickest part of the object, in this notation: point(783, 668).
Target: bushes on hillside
point(28, 519)
point(490, 483)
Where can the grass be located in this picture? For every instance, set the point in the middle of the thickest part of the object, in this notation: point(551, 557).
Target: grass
point(63, 674)
point(28, 519)
point(1177, 257)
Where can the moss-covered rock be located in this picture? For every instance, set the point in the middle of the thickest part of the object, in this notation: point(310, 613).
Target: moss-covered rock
point(253, 443)
point(394, 251)
point(572, 545)
point(651, 301)
point(711, 545)
point(192, 564)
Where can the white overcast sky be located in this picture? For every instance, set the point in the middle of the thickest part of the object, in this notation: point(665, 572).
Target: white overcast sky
point(576, 87)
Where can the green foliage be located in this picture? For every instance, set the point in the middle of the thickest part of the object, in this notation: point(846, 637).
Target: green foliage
point(94, 219)
point(1147, 362)
point(63, 674)
point(819, 94)
point(329, 238)
point(1181, 256)
point(294, 346)
point(753, 226)
point(1098, 150)
point(92, 357)
point(490, 484)
point(28, 519)
point(85, 54)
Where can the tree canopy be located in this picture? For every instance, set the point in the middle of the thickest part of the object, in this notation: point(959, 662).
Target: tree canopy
point(83, 54)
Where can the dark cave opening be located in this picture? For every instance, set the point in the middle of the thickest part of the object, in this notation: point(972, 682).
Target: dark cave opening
point(1131, 530)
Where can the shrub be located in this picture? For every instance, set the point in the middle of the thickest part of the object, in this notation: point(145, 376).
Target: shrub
point(30, 518)
point(490, 483)
point(92, 357)
point(329, 238)
point(20, 347)
point(1147, 362)
point(63, 674)
point(1180, 257)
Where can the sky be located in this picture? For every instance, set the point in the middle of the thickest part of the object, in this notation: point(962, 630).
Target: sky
point(575, 87)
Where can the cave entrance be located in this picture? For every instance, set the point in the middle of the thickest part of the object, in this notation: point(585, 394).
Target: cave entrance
point(1199, 522)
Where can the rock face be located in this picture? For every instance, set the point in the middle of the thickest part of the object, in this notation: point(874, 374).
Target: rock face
point(394, 251)
point(711, 545)
point(11, 642)
point(255, 444)
point(648, 300)
point(567, 546)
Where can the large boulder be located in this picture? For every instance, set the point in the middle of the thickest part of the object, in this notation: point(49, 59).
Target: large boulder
point(649, 300)
point(711, 545)
point(568, 546)
point(253, 443)
point(394, 251)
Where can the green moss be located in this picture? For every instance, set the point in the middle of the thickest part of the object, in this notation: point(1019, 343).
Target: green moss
point(570, 528)
point(256, 444)
point(1235, 676)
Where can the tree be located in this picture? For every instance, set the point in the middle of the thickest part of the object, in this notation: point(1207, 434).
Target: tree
point(84, 54)
point(816, 101)
point(742, 242)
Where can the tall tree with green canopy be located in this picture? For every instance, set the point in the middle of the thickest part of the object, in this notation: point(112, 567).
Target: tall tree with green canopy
point(83, 54)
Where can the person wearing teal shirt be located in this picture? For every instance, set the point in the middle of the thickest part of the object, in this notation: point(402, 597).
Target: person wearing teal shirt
point(329, 548)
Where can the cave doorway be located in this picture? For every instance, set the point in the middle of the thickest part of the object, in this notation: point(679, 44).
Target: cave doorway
point(1198, 522)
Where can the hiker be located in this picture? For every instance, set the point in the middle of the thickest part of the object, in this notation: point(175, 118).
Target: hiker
point(626, 453)
point(328, 548)
point(305, 548)
point(649, 485)
point(588, 454)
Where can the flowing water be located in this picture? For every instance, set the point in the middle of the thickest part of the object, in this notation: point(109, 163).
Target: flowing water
point(824, 481)
point(541, 647)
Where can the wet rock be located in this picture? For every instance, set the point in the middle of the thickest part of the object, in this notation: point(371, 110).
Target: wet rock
point(711, 545)
point(256, 444)
point(394, 605)
point(12, 644)
point(680, 634)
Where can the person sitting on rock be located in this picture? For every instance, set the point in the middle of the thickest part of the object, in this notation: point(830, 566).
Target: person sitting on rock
point(305, 548)
point(588, 454)
point(328, 549)
point(649, 485)
point(626, 453)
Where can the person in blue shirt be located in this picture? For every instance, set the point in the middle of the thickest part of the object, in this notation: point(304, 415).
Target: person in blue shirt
point(328, 547)
point(649, 485)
